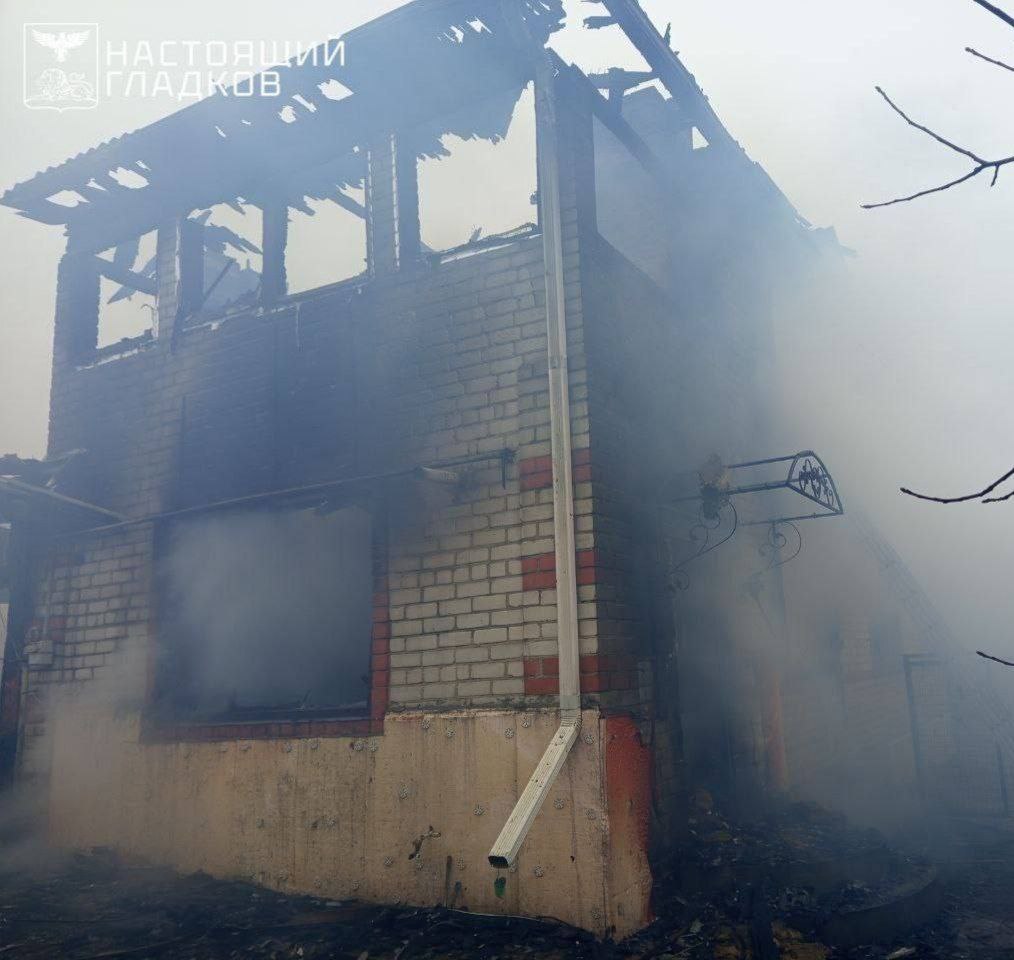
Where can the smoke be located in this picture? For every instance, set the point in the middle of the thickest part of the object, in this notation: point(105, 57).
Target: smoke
point(891, 364)
point(24, 849)
point(267, 610)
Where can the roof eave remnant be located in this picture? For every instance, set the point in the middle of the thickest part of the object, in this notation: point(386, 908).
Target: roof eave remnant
point(241, 147)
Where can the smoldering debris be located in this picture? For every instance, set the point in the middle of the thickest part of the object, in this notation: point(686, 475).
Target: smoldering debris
point(833, 883)
point(100, 906)
point(798, 883)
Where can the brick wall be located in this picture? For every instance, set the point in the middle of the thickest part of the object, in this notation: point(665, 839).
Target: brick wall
point(430, 363)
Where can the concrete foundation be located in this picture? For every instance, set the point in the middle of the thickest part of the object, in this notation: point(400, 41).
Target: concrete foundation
point(405, 817)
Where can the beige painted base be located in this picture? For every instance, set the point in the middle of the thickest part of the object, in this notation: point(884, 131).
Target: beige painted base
point(406, 817)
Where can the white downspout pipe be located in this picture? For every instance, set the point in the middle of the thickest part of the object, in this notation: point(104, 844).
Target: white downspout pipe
point(505, 851)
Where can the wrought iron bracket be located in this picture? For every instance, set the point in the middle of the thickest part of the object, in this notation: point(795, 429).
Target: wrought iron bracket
point(802, 473)
point(805, 475)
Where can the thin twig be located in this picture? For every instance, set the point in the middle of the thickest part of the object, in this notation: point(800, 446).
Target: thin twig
point(923, 193)
point(968, 496)
point(982, 56)
point(996, 11)
point(987, 656)
point(936, 136)
point(981, 164)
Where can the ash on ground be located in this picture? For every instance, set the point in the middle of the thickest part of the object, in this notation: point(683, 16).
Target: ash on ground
point(798, 884)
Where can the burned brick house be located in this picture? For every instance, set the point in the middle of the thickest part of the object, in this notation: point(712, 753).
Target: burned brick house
point(354, 571)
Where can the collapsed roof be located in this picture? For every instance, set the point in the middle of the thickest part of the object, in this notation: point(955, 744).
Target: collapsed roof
point(462, 61)
point(307, 141)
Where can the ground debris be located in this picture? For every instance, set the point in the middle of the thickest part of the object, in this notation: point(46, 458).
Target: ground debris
point(785, 880)
point(794, 946)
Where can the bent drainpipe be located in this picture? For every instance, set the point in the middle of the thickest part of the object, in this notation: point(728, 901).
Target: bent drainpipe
point(515, 830)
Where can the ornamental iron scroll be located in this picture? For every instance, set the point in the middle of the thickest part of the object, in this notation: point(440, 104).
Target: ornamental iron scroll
point(804, 475)
point(710, 521)
point(809, 478)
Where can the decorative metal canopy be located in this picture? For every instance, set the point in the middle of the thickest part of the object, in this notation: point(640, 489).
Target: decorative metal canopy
point(806, 476)
point(801, 474)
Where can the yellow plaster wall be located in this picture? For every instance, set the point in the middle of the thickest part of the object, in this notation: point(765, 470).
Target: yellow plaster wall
point(340, 817)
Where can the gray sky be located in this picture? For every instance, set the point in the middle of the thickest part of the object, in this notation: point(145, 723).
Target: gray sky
point(899, 376)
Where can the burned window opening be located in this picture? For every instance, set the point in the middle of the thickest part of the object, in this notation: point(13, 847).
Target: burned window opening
point(127, 293)
point(221, 259)
point(477, 173)
point(265, 613)
point(326, 239)
point(635, 220)
point(315, 226)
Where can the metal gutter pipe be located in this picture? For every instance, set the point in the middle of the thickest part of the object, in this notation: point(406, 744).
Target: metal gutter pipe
point(505, 850)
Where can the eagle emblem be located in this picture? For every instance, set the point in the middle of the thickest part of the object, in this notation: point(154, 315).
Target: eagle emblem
point(60, 42)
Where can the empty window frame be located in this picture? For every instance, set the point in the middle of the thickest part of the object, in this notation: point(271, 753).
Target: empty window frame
point(325, 233)
point(326, 239)
point(266, 614)
point(127, 280)
point(222, 261)
point(477, 172)
point(631, 211)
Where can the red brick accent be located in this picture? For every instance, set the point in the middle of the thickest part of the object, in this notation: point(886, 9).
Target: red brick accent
point(629, 786)
point(46, 628)
point(599, 673)
point(581, 465)
point(536, 473)
point(542, 675)
point(539, 572)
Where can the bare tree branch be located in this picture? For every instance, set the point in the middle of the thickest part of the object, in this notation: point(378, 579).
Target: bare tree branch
point(936, 136)
point(987, 656)
point(996, 11)
point(981, 164)
point(982, 56)
point(970, 496)
point(923, 193)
